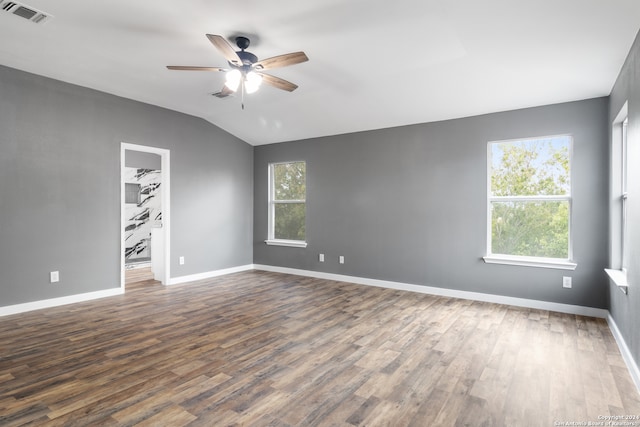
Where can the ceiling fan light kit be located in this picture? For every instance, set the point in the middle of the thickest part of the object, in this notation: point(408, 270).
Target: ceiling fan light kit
point(252, 81)
point(246, 71)
point(233, 78)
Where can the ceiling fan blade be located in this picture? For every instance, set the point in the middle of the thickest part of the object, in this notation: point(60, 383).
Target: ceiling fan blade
point(189, 68)
point(225, 49)
point(277, 82)
point(224, 92)
point(281, 61)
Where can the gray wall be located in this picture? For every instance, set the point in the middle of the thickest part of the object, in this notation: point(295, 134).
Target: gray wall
point(60, 187)
point(625, 309)
point(409, 204)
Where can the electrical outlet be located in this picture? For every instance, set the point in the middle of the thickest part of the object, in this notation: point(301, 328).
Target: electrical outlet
point(181, 260)
point(321, 257)
point(341, 259)
point(566, 282)
point(54, 276)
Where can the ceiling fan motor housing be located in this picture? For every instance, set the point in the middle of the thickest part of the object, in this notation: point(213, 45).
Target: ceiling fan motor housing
point(248, 58)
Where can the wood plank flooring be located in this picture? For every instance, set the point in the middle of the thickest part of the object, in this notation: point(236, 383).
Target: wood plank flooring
point(267, 349)
point(137, 274)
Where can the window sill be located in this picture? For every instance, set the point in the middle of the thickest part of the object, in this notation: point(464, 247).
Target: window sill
point(289, 243)
point(531, 262)
point(619, 278)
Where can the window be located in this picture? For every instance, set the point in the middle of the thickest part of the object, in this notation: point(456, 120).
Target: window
point(623, 198)
point(619, 202)
point(287, 204)
point(529, 202)
point(132, 193)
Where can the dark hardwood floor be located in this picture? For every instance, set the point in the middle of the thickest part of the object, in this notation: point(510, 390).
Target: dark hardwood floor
point(268, 349)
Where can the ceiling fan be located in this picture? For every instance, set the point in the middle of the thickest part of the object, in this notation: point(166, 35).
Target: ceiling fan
point(246, 72)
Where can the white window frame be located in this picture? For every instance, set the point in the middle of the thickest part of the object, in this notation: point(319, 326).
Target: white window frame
point(271, 240)
point(619, 251)
point(529, 261)
point(624, 198)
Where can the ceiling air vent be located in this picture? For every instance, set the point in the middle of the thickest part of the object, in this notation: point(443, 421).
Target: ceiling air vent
point(23, 11)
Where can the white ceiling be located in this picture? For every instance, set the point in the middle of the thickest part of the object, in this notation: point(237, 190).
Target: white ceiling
point(372, 63)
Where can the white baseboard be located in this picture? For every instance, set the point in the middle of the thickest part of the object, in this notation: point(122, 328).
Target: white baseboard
point(431, 290)
point(498, 299)
point(55, 302)
point(634, 370)
point(209, 274)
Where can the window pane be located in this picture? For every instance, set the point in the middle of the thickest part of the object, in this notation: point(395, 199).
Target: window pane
point(289, 181)
point(289, 221)
point(530, 167)
point(624, 171)
point(537, 229)
point(624, 156)
point(132, 193)
point(625, 235)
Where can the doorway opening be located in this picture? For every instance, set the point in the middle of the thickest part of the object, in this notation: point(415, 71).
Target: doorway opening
point(144, 213)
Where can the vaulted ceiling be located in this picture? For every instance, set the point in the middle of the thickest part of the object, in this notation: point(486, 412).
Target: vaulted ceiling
point(372, 63)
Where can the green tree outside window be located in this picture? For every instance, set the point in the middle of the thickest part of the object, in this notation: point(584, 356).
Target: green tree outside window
point(288, 200)
point(530, 197)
